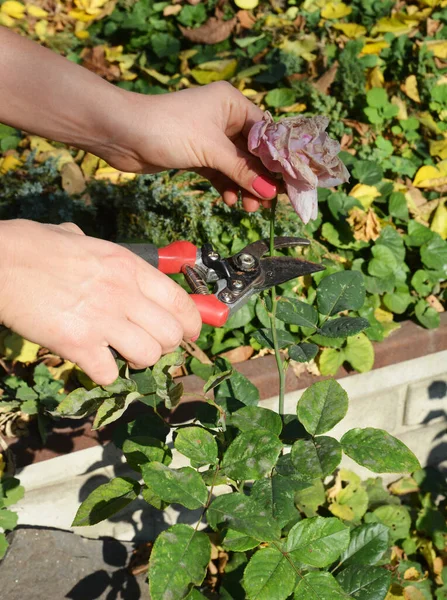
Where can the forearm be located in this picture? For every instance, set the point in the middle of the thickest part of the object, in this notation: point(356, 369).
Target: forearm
point(46, 94)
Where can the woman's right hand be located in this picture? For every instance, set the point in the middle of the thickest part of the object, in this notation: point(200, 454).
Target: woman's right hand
point(78, 296)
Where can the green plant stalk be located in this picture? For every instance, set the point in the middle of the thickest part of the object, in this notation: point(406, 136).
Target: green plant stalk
point(279, 362)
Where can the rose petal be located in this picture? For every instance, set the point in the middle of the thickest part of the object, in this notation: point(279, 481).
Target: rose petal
point(304, 199)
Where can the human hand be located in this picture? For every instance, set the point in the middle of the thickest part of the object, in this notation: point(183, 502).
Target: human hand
point(78, 296)
point(204, 129)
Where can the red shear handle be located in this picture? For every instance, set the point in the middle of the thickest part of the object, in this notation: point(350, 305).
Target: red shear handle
point(213, 311)
point(172, 258)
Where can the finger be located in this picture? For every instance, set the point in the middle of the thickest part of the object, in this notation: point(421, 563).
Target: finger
point(134, 344)
point(250, 204)
point(98, 364)
point(157, 322)
point(223, 185)
point(243, 114)
point(242, 168)
point(161, 290)
point(71, 228)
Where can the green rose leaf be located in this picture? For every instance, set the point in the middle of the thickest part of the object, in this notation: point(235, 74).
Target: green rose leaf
point(418, 234)
point(359, 352)
point(322, 406)
point(265, 338)
point(140, 450)
point(303, 352)
point(216, 380)
point(344, 327)
point(318, 541)
point(243, 514)
point(251, 455)
point(367, 545)
point(81, 402)
point(371, 583)
point(379, 451)
point(256, 417)
point(238, 542)
point(121, 386)
point(237, 387)
point(178, 562)
point(396, 518)
point(317, 457)
point(181, 486)
point(151, 498)
point(341, 291)
point(277, 495)
point(269, 575)
point(295, 312)
point(319, 586)
point(197, 444)
point(167, 390)
point(106, 500)
point(111, 409)
point(309, 499)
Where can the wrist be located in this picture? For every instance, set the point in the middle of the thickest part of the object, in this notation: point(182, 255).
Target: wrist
point(123, 127)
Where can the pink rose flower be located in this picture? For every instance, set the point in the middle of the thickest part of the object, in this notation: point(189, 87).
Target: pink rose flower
point(300, 149)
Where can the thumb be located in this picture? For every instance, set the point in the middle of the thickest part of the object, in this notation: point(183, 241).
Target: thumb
point(242, 168)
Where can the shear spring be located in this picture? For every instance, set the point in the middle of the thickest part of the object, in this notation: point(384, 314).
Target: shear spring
point(195, 281)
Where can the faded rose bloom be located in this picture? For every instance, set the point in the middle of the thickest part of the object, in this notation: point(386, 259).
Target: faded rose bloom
point(300, 149)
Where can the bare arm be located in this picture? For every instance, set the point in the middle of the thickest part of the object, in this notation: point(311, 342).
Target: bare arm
point(48, 95)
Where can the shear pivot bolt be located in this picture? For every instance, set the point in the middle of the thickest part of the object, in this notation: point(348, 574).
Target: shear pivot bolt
point(246, 261)
point(226, 297)
point(238, 284)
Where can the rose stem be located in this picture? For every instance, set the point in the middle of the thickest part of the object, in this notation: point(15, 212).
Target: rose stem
point(279, 363)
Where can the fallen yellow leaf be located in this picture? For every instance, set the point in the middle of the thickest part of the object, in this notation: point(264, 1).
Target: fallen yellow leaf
point(427, 120)
point(439, 148)
point(403, 113)
point(18, 349)
point(36, 11)
point(410, 88)
point(63, 372)
point(9, 163)
point(336, 10)
point(383, 316)
point(351, 30)
point(113, 175)
point(89, 165)
point(395, 24)
point(12, 8)
point(6, 20)
point(82, 34)
point(375, 79)
point(41, 29)
point(374, 48)
point(303, 48)
point(81, 15)
point(439, 221)
point(365, 194)
point(246, 4)
point(412, 574)
point(438, 47)
point(431, 177)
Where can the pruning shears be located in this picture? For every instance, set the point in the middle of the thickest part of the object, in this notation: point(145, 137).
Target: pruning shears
point(236, 278)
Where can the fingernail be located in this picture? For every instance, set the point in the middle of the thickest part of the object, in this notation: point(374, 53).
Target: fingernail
point(195, 338)
point(264, 187)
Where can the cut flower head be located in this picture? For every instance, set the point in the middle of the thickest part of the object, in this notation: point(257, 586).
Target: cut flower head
point(300, 149)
